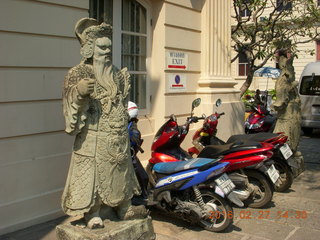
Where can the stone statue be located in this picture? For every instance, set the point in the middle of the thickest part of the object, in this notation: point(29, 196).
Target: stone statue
point(288, 105)
point(95, 98)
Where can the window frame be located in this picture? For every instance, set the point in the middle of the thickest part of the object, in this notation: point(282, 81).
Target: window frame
point(117, 42)
point(245, 12)
point(245, 65)
point(116, 49)
point(283, 5)
point(317, 43)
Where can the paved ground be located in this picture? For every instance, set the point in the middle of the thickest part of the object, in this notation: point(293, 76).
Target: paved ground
point(293, 215)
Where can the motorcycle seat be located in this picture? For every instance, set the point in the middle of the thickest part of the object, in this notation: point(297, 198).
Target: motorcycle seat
point(213, 151)
point(258, 137)
point(172, 167)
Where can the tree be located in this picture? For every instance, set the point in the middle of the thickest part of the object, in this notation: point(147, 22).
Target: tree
point(264, 27)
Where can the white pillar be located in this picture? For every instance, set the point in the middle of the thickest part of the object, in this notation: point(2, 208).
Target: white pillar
point(216, 47)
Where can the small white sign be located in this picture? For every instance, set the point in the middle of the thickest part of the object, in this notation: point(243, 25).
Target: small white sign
point(177, 60)
point(286, 151)
point(177, 82)
point(273, 173)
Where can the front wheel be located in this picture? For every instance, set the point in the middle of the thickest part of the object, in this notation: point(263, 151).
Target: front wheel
point(262, 189)
point(286, 175)
point(219, 214)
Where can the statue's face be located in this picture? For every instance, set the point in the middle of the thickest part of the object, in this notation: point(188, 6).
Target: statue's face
point(102, 49)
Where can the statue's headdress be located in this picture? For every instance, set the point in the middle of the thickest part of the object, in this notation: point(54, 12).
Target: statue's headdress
point(87, 31)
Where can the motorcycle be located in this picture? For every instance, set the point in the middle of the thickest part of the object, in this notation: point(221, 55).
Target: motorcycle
point(259, 120)
point(206, 135)
point(252, 186)
point(181, 189)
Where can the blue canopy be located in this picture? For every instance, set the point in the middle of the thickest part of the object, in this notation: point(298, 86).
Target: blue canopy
point(269, 72)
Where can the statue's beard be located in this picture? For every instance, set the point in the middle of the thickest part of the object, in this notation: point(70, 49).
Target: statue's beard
point(103, 72)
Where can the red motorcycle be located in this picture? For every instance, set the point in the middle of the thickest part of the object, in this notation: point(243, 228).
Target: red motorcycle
point(260, 120)
point(248, 167)
point(206, 136)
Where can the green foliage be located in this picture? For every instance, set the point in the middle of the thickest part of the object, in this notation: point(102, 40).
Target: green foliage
point(272, 93)
point(247, 99)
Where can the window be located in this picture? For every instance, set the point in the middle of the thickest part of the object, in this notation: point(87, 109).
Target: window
point(134, 48)
point(101, 10)
point(284, 5)
point(129, 19)
point(318, 3)
point(243, 65)
point(318, 50)
point(244, 11)
point(310, 85)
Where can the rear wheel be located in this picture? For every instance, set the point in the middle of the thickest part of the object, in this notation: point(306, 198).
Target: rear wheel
point(262, 189)
point(286, 175)
point(219, 214)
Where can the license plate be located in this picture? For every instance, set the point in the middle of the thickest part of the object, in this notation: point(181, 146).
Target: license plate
point(225, 183)
point(286, 151)
point(273, 173)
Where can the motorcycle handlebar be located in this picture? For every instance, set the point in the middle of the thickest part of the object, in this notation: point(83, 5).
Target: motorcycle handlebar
point(194, 119)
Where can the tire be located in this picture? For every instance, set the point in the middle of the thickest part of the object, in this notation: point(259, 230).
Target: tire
point(264, 193)
point(152, 179)
point(217, 219)
point(286, 175)
point(307, 131)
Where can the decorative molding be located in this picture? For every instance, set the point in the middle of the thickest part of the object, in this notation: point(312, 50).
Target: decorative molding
point(182, 28)
point(182, 49)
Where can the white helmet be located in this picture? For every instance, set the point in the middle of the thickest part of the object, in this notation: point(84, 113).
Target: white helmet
point(133, 110)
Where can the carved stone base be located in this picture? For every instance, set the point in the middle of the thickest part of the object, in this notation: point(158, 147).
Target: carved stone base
point(141, 229)
point(297, 161)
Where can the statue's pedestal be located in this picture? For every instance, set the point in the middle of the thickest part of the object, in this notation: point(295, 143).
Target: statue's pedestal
point(141, 229)
point(297, 161)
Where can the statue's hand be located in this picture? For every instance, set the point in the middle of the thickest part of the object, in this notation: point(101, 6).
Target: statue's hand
point(85, 86)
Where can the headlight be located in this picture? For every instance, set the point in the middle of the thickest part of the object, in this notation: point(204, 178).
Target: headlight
point(256, 125)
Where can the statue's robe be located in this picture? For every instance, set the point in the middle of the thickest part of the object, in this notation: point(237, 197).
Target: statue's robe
point(100, 166)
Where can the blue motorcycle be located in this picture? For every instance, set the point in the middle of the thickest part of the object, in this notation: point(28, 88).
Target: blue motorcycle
point(195, 191)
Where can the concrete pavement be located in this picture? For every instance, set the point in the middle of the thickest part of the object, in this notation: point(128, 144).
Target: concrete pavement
point(292, 215)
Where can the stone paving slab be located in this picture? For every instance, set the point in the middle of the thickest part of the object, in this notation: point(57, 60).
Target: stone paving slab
point(206, 235)
point(264, 228)
point(304, 233)
point(299, 203)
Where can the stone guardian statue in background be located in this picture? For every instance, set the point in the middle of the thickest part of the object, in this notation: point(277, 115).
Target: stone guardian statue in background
point(95, 98)
point(288, 107)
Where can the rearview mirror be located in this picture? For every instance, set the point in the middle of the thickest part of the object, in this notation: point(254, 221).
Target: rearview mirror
point(195, 104)
point(218, 102)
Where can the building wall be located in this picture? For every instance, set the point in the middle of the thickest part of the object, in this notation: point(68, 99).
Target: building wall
point(178, 27)
point(37, 46)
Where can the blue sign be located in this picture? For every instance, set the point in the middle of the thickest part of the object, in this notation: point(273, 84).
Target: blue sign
point(177, 79)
